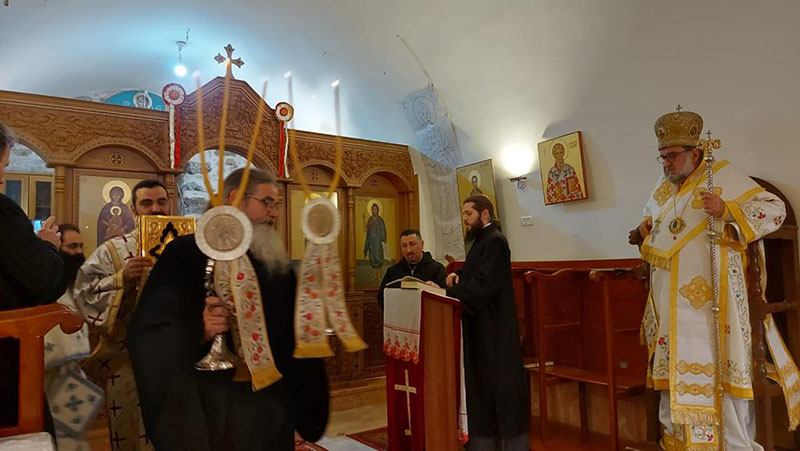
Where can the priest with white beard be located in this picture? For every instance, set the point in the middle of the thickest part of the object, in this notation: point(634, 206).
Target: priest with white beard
point(175, 322)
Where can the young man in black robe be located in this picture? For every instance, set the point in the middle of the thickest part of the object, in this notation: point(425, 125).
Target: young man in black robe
point(416, 262)
point(186, 409)
point(497, 397)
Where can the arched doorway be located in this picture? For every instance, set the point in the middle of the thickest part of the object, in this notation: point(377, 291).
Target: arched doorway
point(29, 182)
point(192, 194)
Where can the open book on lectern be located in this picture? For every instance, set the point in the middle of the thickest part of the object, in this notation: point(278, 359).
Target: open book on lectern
point(414, 283)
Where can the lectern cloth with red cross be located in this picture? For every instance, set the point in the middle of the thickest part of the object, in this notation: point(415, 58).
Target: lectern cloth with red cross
point(405, 371)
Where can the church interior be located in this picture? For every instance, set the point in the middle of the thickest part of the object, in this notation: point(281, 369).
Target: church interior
point(396, 112)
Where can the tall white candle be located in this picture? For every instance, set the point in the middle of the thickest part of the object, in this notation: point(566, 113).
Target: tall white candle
point(288, 76)
point(337, 106)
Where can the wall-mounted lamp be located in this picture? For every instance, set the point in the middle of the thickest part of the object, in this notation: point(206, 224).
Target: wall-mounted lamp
point(518, 159)
point(521, 181)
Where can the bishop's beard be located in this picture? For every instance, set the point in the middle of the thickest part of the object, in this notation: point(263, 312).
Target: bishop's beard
point(678, 176)
point(267, 248)
point(72, 263)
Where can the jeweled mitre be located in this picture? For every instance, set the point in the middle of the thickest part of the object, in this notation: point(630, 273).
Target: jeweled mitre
point(679, 128)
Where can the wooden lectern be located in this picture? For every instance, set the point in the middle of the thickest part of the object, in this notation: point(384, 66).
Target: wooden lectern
point(29, 326)
point(423, 385)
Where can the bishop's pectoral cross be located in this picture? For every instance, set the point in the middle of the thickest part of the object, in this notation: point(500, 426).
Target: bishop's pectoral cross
point(221, 59)
point(409, 391)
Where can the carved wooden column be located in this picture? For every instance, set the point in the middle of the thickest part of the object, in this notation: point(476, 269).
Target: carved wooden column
point(60, 189)
point(172, 192)
point(351, 238)
point(413, 211)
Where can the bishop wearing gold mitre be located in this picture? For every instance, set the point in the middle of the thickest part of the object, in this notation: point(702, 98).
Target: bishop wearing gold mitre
point(679, 320)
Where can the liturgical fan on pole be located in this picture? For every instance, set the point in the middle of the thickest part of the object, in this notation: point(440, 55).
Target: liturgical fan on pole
point(224, 233)
point(320, 299)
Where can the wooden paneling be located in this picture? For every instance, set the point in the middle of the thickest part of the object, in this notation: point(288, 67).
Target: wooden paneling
point(525, 309)
point(115, 158)
point(373, 356)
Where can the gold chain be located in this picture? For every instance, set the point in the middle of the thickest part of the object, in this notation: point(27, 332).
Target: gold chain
point(675, 212)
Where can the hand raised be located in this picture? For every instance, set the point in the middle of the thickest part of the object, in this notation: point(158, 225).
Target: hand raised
point(49, 232)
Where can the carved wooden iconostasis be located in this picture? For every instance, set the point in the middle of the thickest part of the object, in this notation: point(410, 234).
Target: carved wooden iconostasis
point(87, 144)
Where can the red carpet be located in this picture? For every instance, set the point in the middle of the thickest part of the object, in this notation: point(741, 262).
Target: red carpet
point(376, 438)
point(302, 445)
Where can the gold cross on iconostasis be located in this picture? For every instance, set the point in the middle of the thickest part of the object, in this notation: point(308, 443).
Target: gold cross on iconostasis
point(221, 59)
point(409, 391)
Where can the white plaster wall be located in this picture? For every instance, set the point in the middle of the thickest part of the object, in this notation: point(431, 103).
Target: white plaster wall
point(736, 65)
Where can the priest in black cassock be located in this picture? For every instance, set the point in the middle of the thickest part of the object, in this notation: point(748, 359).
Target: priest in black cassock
point(497, 397)
point(31, 273)
point(186, 409)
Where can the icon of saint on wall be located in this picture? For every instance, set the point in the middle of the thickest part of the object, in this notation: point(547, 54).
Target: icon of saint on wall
point(115, 218)
point(562, 180)
point(375, 241)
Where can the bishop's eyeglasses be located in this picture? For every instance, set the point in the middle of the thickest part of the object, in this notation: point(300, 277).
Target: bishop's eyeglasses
point(671, 157)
